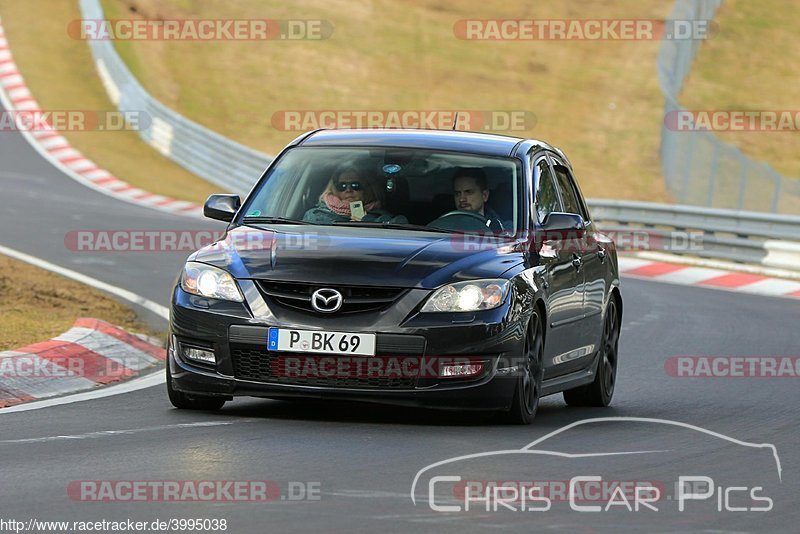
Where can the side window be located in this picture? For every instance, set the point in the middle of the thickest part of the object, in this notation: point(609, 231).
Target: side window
point(546, 196)
point(568, 193)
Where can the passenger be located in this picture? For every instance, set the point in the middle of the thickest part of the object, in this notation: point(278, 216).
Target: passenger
point(471, 192)
point(346, 186)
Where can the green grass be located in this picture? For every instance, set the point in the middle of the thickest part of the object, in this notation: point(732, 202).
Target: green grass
point(751, 64)
point(39, 305)
point(598, 100)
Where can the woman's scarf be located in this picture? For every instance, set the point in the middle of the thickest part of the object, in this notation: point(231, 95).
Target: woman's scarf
point(342, 207)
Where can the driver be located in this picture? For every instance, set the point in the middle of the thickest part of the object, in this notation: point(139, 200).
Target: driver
point(471, 191)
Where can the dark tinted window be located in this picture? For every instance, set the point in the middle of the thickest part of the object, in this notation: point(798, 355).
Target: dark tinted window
point(568, 193)
point(546, 196)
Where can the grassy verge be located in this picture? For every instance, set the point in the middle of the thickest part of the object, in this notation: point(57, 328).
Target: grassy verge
point(61, 75)
point(38, 305)
point(598, 100)
point(751, 64)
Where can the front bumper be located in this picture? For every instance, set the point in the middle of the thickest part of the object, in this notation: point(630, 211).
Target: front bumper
point(232, 330)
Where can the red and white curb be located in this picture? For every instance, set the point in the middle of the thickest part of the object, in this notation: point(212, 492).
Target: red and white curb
point(15, 96)
point(708, 277)
point(91, 354)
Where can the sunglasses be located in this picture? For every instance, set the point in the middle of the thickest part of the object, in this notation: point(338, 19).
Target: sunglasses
point(342, 186)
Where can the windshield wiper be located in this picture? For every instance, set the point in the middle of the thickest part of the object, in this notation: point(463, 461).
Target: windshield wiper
point(273, 220)
point(396, 226)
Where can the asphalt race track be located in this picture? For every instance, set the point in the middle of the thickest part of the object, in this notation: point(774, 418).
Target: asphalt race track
point(361, 460)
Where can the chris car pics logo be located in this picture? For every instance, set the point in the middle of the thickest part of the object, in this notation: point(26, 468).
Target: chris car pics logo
point(447, 486)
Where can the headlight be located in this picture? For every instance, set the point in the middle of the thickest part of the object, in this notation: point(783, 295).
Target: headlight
point(208, 281)
point(475, 295)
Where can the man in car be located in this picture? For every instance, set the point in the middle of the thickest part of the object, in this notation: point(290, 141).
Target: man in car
point(471, 192)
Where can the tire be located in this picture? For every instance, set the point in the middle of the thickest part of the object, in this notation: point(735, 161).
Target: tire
point(182, 401)
point(599, 392)
point(529, 381)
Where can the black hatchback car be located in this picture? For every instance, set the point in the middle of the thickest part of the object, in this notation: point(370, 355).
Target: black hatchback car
point(433, 268)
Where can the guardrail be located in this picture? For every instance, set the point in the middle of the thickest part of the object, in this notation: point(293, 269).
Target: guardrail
point(201, 151)
point(739, 236)
point(699, 168)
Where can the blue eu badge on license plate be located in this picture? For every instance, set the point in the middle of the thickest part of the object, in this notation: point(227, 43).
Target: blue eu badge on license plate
point(272, 339)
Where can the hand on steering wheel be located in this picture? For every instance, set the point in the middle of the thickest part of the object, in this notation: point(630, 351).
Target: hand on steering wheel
point(473, 214)
point(461, 220)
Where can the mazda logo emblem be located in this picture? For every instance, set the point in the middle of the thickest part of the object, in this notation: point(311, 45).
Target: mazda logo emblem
point(326, 300)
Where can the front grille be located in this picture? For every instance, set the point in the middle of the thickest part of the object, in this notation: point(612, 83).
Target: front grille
point(259, 365)
point(357, 299)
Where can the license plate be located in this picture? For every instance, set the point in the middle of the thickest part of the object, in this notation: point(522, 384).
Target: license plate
point(288, 340)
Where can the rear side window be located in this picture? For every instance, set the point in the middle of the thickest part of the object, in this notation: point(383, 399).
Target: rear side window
point(546, 196)
point(568, 193)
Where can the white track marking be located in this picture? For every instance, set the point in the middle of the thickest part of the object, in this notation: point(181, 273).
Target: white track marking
point(143, 382)
point(125, 432)
point(44, 386)
point(771, 286)
point(108, 347)
point(131, 297)
point(136, 384)
point(69, 172)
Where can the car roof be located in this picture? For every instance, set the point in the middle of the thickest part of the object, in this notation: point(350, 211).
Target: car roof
point(448, 140)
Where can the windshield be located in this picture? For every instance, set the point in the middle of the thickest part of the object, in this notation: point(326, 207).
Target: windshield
point(391, 187)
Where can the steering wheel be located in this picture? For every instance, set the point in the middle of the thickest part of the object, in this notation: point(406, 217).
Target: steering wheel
point(470, 220)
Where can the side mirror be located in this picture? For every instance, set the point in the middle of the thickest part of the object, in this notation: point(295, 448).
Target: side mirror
point(559, 225)
point(222, 207)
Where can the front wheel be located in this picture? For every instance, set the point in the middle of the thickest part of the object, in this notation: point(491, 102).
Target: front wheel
point(530, 373)
point(599, 392)
point(185, 401)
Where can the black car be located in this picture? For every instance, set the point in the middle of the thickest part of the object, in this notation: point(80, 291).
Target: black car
point(427, 268)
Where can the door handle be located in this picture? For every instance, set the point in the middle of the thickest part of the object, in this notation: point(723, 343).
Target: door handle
point(576, 261)
point(601, 253)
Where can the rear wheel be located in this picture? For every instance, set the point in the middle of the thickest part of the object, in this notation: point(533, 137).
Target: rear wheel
point(529, 381)
point(185, 401)
point(599, 392)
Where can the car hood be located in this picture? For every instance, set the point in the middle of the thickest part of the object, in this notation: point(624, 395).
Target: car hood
point(358, 255)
